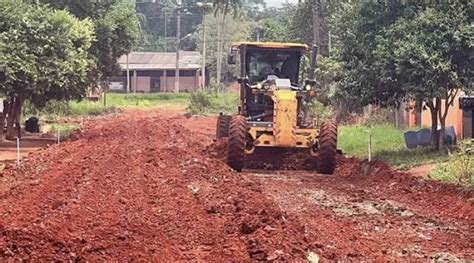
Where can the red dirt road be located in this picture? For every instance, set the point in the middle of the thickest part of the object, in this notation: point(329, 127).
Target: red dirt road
point(152, 187)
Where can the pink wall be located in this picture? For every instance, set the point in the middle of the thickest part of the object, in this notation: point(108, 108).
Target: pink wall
point(185, 83)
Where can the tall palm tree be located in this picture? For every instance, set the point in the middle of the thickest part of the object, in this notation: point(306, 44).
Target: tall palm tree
point(227, 6)
point(222, 8)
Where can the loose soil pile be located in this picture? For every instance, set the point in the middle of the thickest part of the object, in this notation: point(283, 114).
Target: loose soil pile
point(268, 158)
point(156, 188)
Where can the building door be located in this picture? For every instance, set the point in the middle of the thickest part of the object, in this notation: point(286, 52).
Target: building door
point(155, 83)
point(467, 106)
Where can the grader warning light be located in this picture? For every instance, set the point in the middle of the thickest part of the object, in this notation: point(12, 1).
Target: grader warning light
point(272, 105)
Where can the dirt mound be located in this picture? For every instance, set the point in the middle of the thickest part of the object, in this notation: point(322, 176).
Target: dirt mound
point(449, 199)
point(217, 149)
point(268, 158)
point(134, 187)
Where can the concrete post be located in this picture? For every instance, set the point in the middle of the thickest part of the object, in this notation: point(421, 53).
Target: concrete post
point(135, 81)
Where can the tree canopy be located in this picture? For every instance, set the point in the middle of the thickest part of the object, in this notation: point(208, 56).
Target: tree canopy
point(44, 55)
point(117, 30)
point(395, 50)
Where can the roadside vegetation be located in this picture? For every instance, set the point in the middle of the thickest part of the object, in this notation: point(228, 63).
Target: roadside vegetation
point(209, 102)
point(459, 167)
point(455, 164)
point(140, 100)
point(388, 145)
point(53, 113)
point(54, 110)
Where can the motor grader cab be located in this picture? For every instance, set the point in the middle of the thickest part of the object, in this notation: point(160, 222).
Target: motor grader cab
point(272, 105)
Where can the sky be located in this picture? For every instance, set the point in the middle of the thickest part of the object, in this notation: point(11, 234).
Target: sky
point(277, 3)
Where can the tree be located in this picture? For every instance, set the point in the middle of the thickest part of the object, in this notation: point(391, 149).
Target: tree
point(236, 29)
point(227, 6)
point(159, 24)
point(116, 27)
point(430, 55)
point(272, 25)
point(394, 50)
point(313, 16)
point(357, 27)
point(44, 55)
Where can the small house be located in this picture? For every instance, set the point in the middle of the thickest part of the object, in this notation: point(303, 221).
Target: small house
point(460, 117)
point(155, 72)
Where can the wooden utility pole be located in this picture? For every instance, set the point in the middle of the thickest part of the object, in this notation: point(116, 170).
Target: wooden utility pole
point(178, 40)
point(166, 30)
point(203, 70)
point(204, 6)
point(316, 23)
point(220, 25)
point(128, 76)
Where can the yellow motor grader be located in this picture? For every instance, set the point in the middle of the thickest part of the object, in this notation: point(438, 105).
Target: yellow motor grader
point(272, 101)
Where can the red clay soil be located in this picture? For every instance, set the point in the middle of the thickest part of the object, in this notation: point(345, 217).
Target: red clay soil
point(156, 188)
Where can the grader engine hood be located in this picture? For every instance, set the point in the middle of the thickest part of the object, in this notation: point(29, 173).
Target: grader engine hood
point(285, 117)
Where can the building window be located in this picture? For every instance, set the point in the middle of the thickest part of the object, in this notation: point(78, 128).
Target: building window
point(187, 73)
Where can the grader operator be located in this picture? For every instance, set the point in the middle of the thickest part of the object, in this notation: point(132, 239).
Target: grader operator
point(272, 100)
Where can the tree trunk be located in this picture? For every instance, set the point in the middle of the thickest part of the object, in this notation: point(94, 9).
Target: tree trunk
point(397, 118)
point(434, 123)
point(19, 105)
point(450, 96)
point(442, 122)
point(418, 112)
point(6, 109)
point(13, 119)
point(442, 133)
point(10, 135)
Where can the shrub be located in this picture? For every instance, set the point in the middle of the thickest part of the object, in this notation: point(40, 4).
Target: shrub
point(215, 86)
point(459, 167)
point(205, 102)
point(54, 109)
point(199, 102)
point(319, 111)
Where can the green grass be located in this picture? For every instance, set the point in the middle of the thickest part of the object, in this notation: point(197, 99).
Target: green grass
point(92, 108)
point(388, 145)
point(459, 168)
point(54, 110)
point(204, 103)
point(140, 100)
point(65, 130)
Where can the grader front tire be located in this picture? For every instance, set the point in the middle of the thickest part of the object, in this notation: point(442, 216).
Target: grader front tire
point(236, 143)
point(327, 147)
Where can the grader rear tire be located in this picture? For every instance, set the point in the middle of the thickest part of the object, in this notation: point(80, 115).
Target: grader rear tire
point(222, 126)
point(236, 142)
point(327, 147)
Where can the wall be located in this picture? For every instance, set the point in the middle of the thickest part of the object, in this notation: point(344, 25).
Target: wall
point(143, 84)
point(185, 84)
point(166, 83)
point(454, 117)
